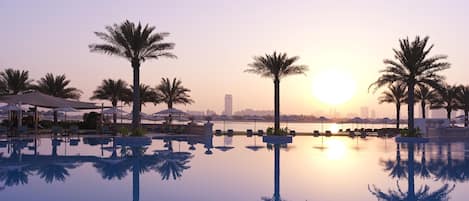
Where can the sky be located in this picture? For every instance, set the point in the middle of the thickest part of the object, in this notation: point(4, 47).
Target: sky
point(215, 40)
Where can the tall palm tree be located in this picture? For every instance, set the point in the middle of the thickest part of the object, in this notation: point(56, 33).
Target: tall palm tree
point(14, 81)
point(463, 101)
point(172, 92)
point(147, 95)
point(57, 86)
point(414, 66)
point(137, 44)
point(276, 66)
point(425, 95)
point(112, 90)
point(447, 99)
point(396, 94)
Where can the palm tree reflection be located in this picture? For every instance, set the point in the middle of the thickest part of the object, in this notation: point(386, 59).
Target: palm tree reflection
point(399, 169)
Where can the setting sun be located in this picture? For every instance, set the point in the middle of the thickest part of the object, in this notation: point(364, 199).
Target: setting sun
point(333, 87)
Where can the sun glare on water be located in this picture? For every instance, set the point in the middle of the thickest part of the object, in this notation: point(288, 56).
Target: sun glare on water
point(336, 149)
point(333, 87)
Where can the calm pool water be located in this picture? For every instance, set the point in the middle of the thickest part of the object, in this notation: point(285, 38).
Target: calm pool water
point(232, 169)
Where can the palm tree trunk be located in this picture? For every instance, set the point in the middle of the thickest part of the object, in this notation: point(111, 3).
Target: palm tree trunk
point(410, 106)
point(277, 172)
point(423, 108)
point(114, 115)
point(136, 95)
point(448, 114)
point(277, 105)
point(398, 115)
point(466, 120)
point(55, 117)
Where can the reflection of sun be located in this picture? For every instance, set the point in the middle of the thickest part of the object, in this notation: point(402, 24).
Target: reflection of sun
point(333, 87)
point(336, 149)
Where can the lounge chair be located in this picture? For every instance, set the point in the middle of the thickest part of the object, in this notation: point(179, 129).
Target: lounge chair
point(328, 133)
point(230, 132)
point(316, 133)
point(341, 131)
point(218, 132)
point(57, 130)
point(292, 132)
point(351, 133)
point(249, 132)
point(260, 132)
point(74, 130)
point(363, 134)
point(348, 130)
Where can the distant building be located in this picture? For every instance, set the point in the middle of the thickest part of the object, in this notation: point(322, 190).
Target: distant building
point(210, 113)
point(373, 114)
point(364, 112)
point(251, 112)
point(195, 113)
point(228, 105)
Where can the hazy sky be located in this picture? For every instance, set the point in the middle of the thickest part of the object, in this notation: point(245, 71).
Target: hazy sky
point(215, 40)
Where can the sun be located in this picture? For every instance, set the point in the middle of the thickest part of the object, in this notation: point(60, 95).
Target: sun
point(333, 87)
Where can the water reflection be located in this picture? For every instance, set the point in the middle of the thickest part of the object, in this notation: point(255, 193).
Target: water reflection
point(134, 157)
point(408, 169)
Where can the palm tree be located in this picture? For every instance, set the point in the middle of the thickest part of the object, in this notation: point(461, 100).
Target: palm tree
point(136, 44)
point(463, 100)
point(412, 66)
point(13, 81)
point(425, 96)
point(396, 94)
point(276, 66)
point(112, 90)
point(447, 99)
point(57, 86)
point(173, 92)
point(147, 95)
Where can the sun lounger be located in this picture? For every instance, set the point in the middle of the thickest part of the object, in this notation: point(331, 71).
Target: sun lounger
point(249, 132)
point(292, 132)
point(316, 133)
point(230, 132)
point(260, 132)
point(363, 134)
point(218, 132)
point(328, 133)
point(351, 133)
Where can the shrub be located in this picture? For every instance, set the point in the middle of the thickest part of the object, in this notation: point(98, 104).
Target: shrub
point(124, 131)
point(411, 133)
point(90, 120)
point(138, 132)
point(282, 131)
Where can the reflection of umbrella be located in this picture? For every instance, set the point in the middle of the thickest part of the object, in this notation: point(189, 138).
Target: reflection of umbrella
point(65, 110)
point(322, 144)
point(255, 147)
point(226, 141)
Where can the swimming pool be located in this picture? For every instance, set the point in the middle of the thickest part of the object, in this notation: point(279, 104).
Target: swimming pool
point(232, 168)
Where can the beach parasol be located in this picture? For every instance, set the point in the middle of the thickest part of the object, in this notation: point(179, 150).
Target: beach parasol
point(65, 110)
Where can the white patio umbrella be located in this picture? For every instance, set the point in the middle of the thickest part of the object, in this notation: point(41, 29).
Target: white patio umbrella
point(114, 110)
point(170, 112)
point(10, 107)
point(65, 110)
point(255, 119)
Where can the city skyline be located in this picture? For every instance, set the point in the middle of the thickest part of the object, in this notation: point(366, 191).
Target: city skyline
point(321, 44)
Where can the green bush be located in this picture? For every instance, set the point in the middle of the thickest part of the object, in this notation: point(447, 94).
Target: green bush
point(411, 133)
point(90, 120)
point(138, 132)
point(124, 131)
point(282, 131)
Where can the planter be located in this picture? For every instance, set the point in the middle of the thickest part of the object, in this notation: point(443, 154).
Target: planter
point(277, 139)
point(132, 141)
point(400, 139)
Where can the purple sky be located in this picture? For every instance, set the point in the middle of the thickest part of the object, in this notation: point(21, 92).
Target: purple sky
point(215, 40)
